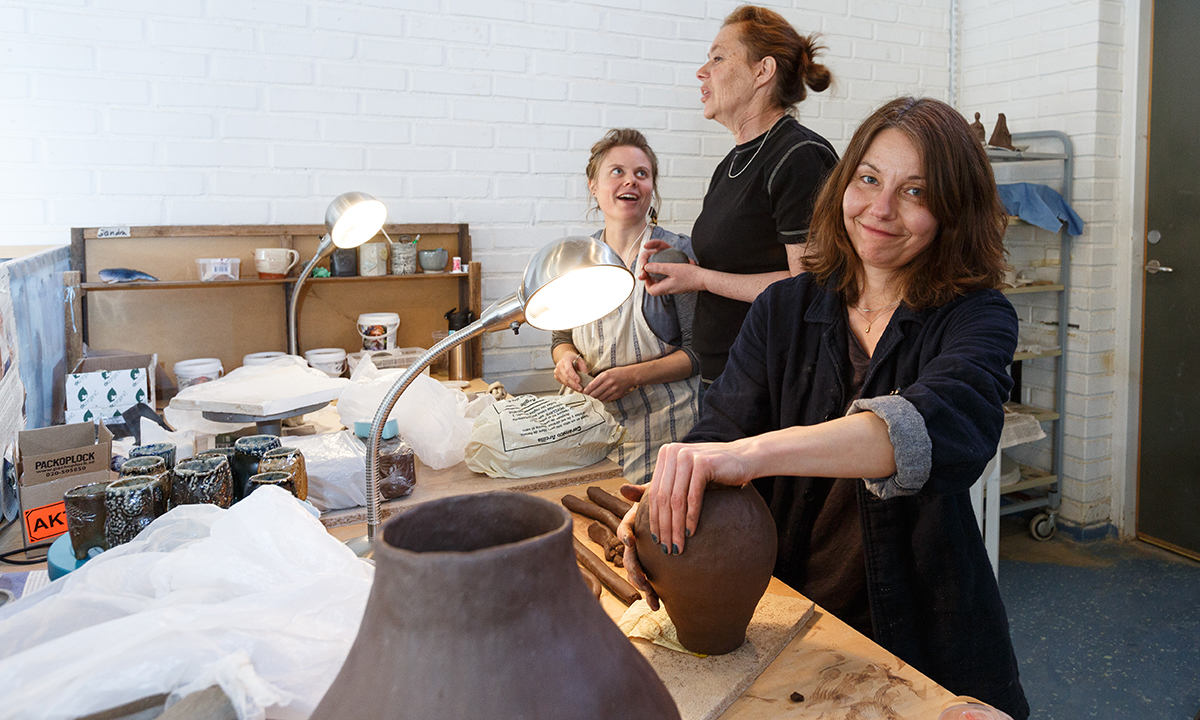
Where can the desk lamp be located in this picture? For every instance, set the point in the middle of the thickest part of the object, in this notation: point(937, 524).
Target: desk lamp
point(350, 220)
point(570, 282)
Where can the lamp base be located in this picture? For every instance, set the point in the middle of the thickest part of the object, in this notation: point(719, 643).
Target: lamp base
point(361, 546)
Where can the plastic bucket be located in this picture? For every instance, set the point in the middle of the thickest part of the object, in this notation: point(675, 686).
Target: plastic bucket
point(331, 361)
point(261, 358)
point(196, 371)
point(378, 330)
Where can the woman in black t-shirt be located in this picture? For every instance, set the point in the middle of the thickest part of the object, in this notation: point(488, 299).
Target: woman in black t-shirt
point(755, 218)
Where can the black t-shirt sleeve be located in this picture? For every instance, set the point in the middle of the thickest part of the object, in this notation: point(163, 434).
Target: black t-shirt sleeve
point(793, 186)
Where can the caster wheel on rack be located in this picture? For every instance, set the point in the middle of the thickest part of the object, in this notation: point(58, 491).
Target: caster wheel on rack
point(1042, 526)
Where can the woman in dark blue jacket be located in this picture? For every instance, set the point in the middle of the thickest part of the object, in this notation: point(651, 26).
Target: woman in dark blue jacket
point(864, 398)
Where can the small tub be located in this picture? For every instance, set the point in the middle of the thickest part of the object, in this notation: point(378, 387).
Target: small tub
point(212, 269)
point(261, 358)
point(196, 371)
point(378, 330)
point(331, 361)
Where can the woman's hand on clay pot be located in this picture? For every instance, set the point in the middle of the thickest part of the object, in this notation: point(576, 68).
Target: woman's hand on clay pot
point(567, 370)
point(679, 277)
point(676, 493)
point(633, 568)
point(612, 384)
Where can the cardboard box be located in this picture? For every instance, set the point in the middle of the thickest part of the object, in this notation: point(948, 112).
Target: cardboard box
point(115, 382)
point(106, 415)
point(51, 461)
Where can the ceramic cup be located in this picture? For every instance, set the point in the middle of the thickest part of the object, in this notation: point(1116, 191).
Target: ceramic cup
point(289, 460)
point(166, 451)
point(372, 259)
point(275, 263)
point(433, 261)
point(131, 504)
point(278, 478)
point(344, 262)
point(205, 479)
point(247, 452)
point(404, 256)
point(150, 465)
point(85, 517)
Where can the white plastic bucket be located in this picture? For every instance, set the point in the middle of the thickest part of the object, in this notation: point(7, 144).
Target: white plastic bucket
point(261, 358)
point(378, 330)
point(196, 371)
point(331, 361)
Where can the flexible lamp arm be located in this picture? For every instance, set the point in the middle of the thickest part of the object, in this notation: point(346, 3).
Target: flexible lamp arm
point(324, 248)
point(505, 313)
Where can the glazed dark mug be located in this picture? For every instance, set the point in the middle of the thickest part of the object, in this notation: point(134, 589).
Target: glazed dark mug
point(150, 465)
point(289, 460)
point(247, 452)
point(131, 504)
point(166, 451)
point(85, 517)
point(205, 479)
point(278, 478)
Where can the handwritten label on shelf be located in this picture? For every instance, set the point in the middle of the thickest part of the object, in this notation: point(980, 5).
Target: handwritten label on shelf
point(113, 232)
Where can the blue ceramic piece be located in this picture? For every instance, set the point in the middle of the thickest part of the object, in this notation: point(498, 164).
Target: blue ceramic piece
point(124, 275)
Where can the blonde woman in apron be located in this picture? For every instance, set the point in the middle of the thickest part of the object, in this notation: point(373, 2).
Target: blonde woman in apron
point(637, 359)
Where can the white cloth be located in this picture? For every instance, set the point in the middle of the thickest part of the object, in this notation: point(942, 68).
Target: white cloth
point(652, 415)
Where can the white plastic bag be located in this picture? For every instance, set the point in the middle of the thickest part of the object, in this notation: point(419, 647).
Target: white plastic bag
point(336, 467)
point(430, 416)
point(258, 599)
point(527, 436)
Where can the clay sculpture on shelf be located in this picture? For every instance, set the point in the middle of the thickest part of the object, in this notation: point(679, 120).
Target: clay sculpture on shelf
point(1001, 138)
point(711, 589)
point(979, 130)
point(478, 611)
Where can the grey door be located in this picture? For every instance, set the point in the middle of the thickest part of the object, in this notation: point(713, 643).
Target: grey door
point(1168, 511)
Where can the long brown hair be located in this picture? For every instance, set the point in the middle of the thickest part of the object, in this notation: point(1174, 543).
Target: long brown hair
point(766, 33)
point(623, 137)
point(966, 254)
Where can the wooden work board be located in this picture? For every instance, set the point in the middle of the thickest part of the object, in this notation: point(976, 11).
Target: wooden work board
point(180, 317)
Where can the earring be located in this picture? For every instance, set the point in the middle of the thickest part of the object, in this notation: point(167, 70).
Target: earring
point(653, 215)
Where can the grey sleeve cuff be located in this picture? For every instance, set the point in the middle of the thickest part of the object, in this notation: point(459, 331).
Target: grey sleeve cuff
point(914, 449)
point(560, 337)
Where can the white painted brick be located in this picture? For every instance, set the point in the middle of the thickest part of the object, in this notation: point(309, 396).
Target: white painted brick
point(197, 35)
point(213, 211)
point(603, 92)
point(149, 183)
point(261, 70)
point(263, 11)
point(655, 50)
point(897, 74)
point(100, 151)
point(619, 46)
point(523, 36)
point(455, 136)
point(490, 161)
point(899, 34)
point(527, 187)
point(681, 8)
point(101, 91)
point(205, 95)
point(568, 163)
point(136, 61)
point(645, 75)
point(533, 138)
point(14, 86)
point(470, 58)
point(368, 132)
point(176, 8)
point(571, 66)
point(562, 212)
point(27, 211)
point(46, 56)
point(644, 120)
point(451, 83)
point(79, 26)
point(454, 187)
point(360, 75)
point(310, 44)
point(492, 212)
point(562, 114)
point(17, 150)
point(408, 159)
point(251, 184)
point(159, 123)
point(216, 154)
point(321, 102)
point(13, 20)
point(269, 127)
point(87, 212)
point(569, 15)
point(938, 57)
point(403, 106)
point(488, 110)
point(492, 9)
point(457, 30)
point(318, 156)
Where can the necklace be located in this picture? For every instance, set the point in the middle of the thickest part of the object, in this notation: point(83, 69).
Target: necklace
point(632, 248)
point(869, 323)
point(760, 147)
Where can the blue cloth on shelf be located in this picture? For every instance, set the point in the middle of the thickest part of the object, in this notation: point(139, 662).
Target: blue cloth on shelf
point(1040, 205)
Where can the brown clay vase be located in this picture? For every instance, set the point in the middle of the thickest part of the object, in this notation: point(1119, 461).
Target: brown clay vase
point(711, 589)
point(478, 611)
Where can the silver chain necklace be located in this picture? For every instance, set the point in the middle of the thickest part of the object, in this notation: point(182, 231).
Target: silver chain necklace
point(760, 147)
point(869, 323)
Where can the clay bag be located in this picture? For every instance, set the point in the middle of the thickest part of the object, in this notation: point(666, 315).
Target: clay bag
point(527, 436)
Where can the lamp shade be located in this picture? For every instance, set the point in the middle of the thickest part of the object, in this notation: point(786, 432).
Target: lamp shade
point(571, 282)
point(354, 218)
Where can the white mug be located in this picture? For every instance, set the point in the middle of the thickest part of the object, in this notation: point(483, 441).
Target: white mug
point(275, 262)
point(372, 259)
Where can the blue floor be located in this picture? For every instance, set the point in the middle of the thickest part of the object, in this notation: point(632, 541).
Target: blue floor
point(1106, 630)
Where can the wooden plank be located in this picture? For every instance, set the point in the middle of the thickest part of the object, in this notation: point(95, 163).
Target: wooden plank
point(167, 231)
point(73, 309)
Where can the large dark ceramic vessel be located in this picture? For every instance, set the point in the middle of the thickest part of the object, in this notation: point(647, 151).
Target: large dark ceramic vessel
point(711, 589)
point(247, 453)
point(479, 611)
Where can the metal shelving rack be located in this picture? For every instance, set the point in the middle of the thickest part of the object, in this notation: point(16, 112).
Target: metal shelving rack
point(1017, 500)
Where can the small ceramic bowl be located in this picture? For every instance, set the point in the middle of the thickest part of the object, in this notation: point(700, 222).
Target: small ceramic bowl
point(433, 261)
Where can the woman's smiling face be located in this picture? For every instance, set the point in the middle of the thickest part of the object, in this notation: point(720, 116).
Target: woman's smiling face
point(624, 183)
point(884, 206)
